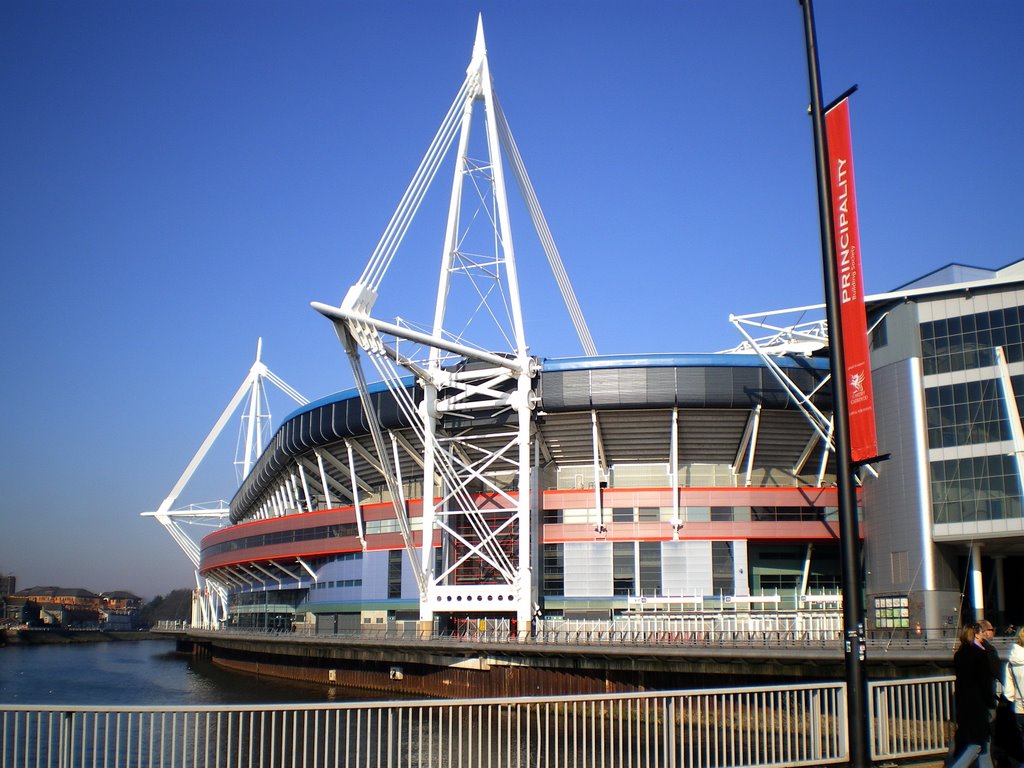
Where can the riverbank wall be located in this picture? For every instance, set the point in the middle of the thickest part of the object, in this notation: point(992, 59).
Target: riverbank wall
point(448, 668)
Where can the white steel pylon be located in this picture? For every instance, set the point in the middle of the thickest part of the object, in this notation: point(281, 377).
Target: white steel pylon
point(801, 337)
point(209, 607)
point(467, 377)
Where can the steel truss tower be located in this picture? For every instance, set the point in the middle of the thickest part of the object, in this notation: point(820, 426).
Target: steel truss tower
point(210, 598)
point(475, 420)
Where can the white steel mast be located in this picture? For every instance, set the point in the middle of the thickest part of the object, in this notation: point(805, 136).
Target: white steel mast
point(484, 564)
point(210, 598)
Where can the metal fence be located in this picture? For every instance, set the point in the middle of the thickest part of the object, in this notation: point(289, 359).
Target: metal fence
point(911, 718)
point(705, 632)
point(791, 725)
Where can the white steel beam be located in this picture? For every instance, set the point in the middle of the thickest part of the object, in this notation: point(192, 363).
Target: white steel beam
point(240, 573)
point(756, 424)
point(411, 452)
point(226, 575)
point(323, 480)
point(341, 490)
point(284, 570)
point(1012, 414)
point(343, 315)
point(600, 469)
point(673, 459)
point(250, 567)
point(355, 495)
point(368, 457)
point(305, 486)
point(805, 455)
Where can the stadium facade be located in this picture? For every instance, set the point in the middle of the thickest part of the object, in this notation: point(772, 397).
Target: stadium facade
point(665, 483)
point(603, 487)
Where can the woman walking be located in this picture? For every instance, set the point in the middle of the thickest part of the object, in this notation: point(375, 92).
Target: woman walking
point(974, 695)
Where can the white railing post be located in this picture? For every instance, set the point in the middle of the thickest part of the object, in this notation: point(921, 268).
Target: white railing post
point(816, 714)
point(670, 731)
point(844, 736)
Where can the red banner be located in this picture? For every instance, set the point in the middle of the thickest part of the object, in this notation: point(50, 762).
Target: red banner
point(863, 443)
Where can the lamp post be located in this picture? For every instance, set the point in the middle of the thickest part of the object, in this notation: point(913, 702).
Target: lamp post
point(849, 535)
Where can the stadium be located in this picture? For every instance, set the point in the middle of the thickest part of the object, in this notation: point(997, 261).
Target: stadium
point(478, 487)
point(609, 536)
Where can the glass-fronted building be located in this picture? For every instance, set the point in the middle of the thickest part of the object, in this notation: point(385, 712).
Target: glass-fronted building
point(944, 526)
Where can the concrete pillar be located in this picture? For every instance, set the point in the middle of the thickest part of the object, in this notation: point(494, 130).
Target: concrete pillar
point(977, 589)
point(1000, 588)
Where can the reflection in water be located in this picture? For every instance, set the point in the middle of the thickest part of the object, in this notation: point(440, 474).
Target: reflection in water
point(143, 673)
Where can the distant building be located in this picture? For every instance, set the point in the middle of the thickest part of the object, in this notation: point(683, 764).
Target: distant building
point(70, 597)
point(62, 606)
point(121, 602)
point(120, 610)
point(59, 615)
point(58, 606)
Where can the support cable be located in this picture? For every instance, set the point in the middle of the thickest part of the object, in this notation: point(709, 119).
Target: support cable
point(410, 202)
point(540, 224)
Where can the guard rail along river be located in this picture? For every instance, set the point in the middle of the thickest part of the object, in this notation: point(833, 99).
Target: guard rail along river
point(770, 726)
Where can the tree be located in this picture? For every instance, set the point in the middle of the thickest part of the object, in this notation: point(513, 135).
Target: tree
point(176, 605)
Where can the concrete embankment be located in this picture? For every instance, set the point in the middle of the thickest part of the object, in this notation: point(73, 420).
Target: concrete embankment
point(452, 668)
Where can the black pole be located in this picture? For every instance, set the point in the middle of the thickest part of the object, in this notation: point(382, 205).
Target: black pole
point(849, 535)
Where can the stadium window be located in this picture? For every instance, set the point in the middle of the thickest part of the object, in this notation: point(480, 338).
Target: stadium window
point(779, 582)
point(723, 580)
point(623, 568)
point(622, 514)
point(721, 514)
point(394, 574)
point(554, 570)
point(880, 334)
point(650, 568)
point(697, 514)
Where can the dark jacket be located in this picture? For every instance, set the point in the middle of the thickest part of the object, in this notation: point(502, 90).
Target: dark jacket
point(995, 664)
point(974, 694)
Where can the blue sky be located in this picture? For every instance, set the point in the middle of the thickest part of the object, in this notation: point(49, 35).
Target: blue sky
point(179, 178)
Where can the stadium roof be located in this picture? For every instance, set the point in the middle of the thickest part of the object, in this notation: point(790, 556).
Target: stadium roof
point(631, 396)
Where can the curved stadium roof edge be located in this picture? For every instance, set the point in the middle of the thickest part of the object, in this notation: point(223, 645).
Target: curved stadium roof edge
point(676, 360)
point(570, 384)
point(647, 360)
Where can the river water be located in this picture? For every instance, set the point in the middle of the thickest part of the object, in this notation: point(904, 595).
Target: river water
point(140, 673)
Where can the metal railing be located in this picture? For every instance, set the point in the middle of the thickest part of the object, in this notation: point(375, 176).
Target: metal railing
point(601, 634)
point(911, 718)
point(769, 726)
